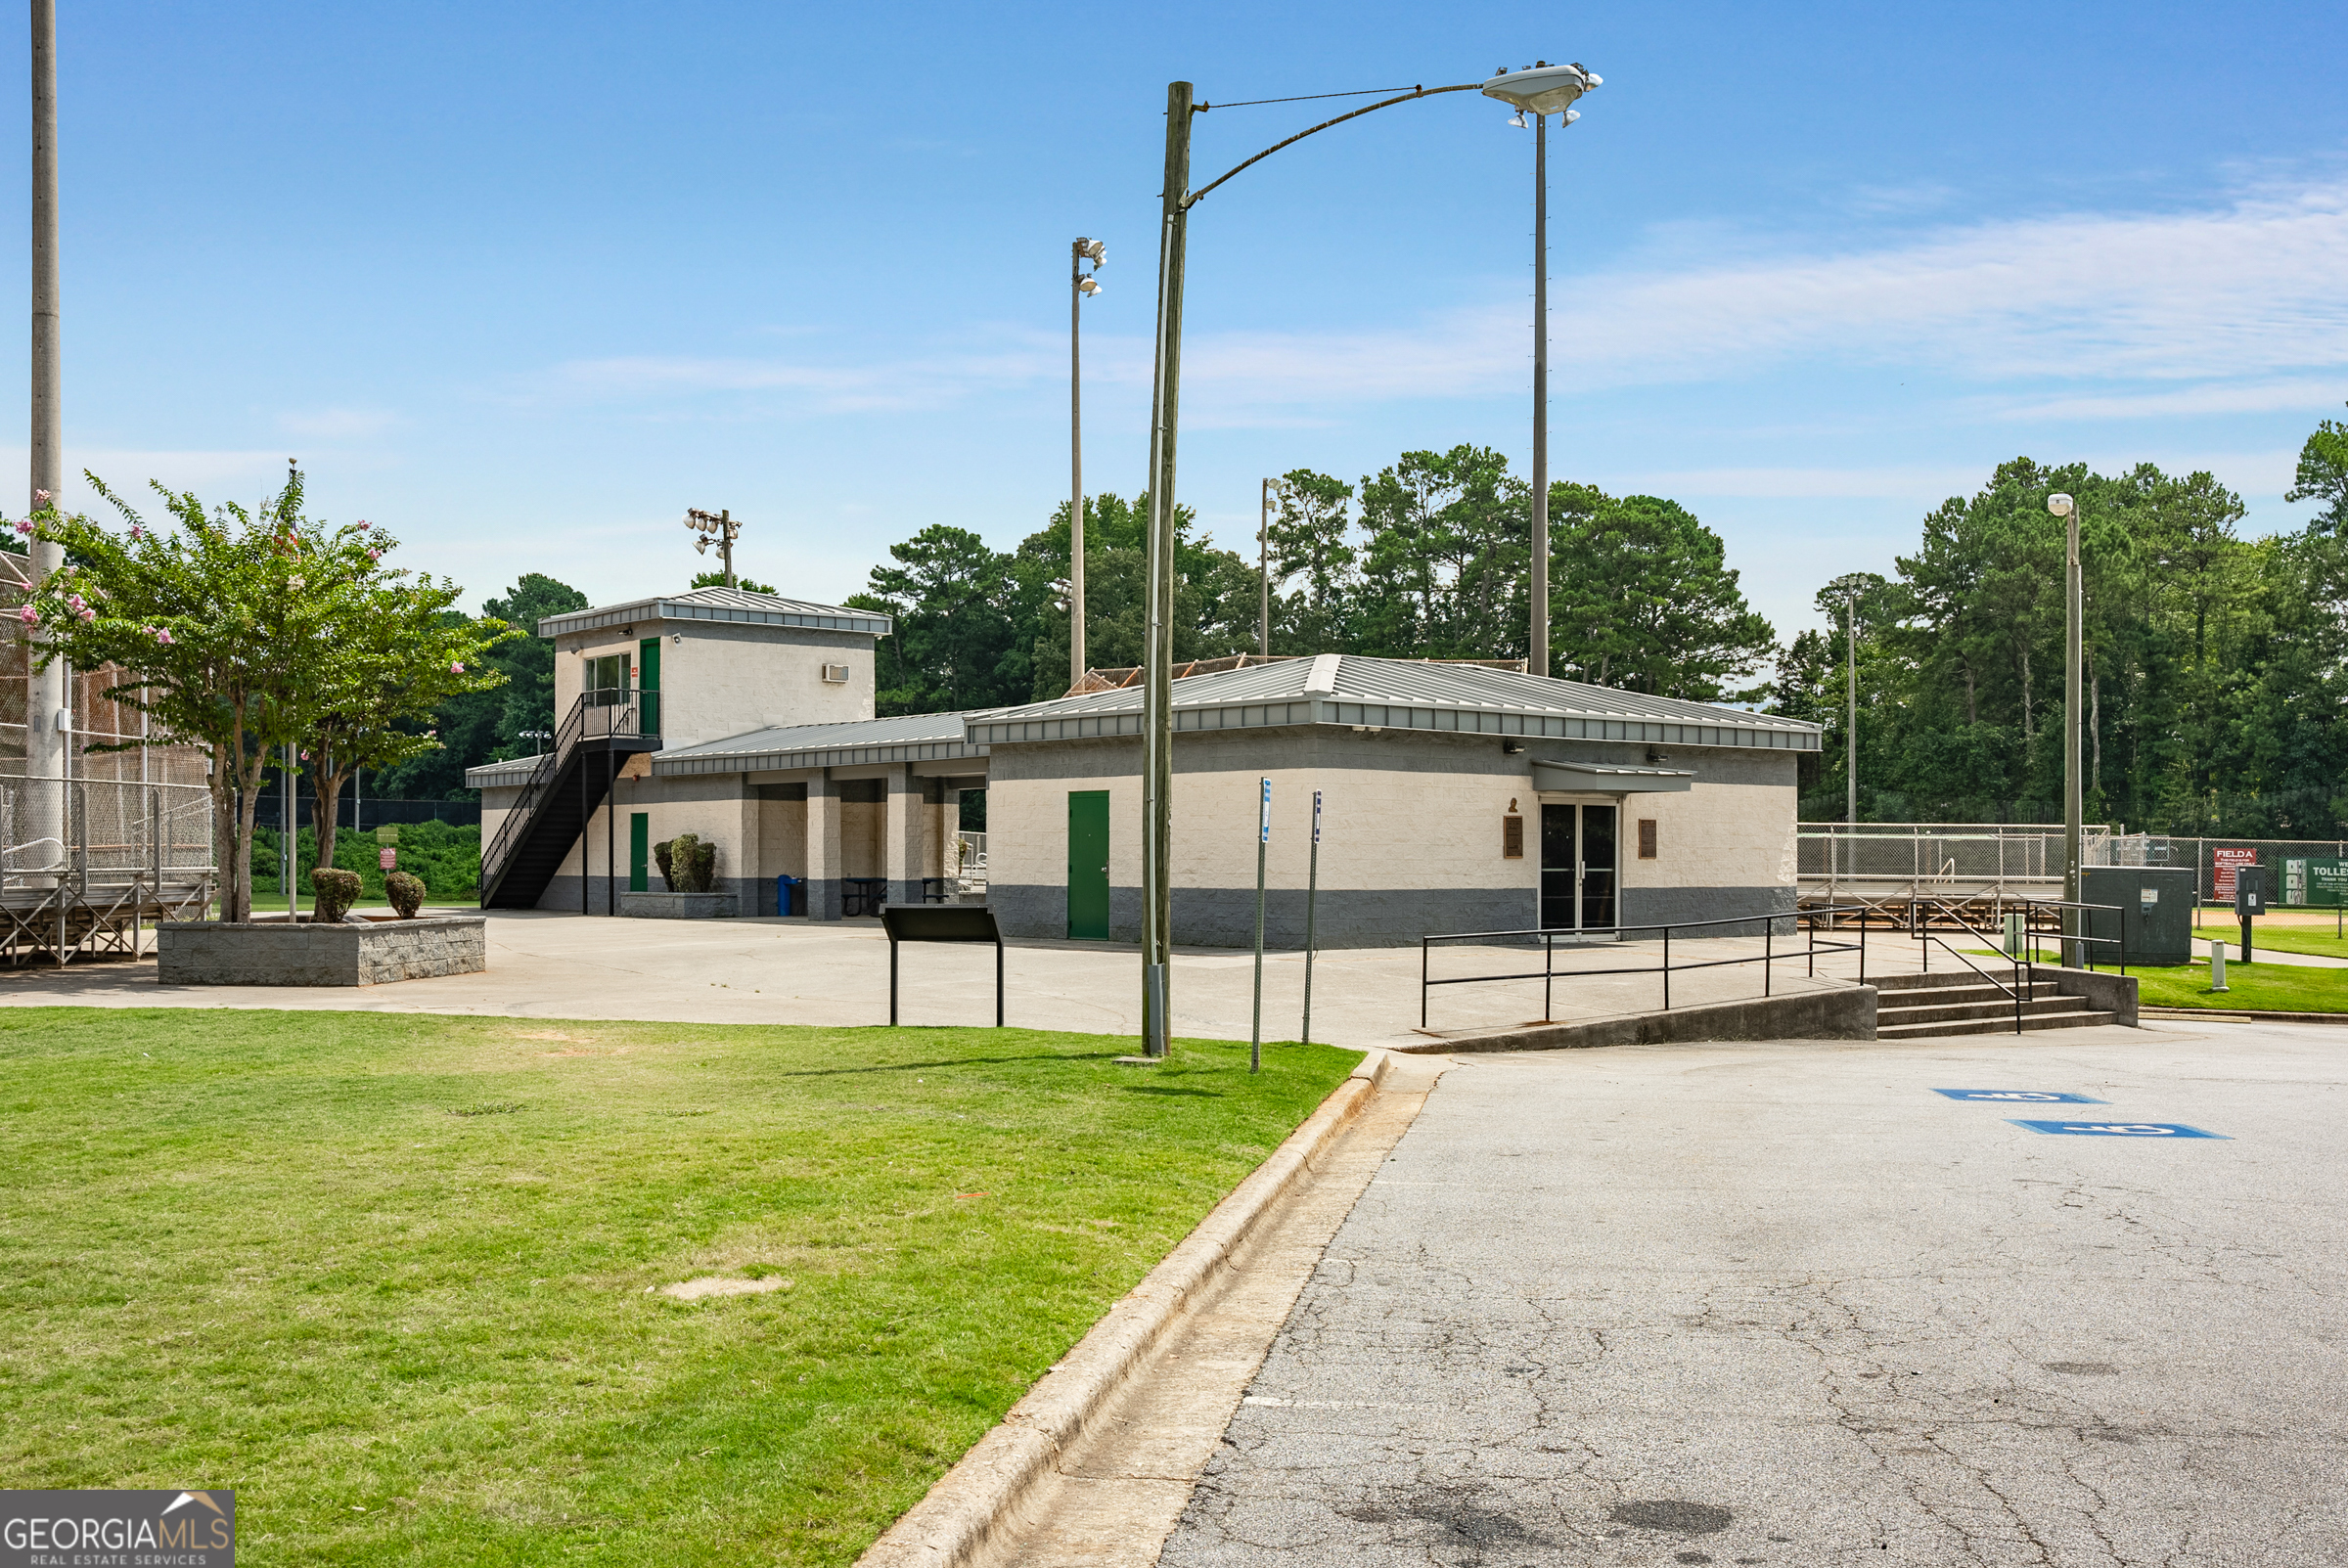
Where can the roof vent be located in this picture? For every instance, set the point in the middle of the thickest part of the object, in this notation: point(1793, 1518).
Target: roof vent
point(837, 674)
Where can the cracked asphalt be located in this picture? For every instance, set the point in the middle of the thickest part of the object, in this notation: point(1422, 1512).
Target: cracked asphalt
point(1783, 1304)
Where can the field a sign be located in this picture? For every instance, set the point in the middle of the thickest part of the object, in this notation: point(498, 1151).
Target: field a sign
point(102, 1529)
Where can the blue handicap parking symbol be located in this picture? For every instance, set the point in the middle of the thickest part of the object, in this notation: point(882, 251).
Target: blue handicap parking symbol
point(2035, 1096)
point(2120, 1129)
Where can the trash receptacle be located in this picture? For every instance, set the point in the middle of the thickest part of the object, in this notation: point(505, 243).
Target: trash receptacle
point(789, 899)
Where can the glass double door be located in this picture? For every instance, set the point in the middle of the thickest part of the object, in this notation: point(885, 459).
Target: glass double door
point(1577, 868)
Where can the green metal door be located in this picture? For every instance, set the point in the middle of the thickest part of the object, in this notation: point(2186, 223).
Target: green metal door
point(648, 681)
point(640, 838)
point(1088, 865)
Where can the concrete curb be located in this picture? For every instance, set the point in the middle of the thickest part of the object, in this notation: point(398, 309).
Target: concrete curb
point(971, 1503)
point(2230, 1016)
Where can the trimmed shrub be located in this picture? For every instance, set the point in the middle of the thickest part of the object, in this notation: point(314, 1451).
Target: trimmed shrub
point(662, 857)
point(693, 864)
point(406, 893)
point(337, 890)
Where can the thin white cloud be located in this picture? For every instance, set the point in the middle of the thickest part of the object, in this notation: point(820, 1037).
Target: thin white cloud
point(225, 475)
point(1902, 484)
point(336, 423)
point(2249, 297)
point(2215, 397)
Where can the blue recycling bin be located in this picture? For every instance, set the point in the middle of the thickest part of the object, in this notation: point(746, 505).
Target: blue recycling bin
point(789, 895)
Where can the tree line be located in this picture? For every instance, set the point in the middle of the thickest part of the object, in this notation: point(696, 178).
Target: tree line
point(2215, 665)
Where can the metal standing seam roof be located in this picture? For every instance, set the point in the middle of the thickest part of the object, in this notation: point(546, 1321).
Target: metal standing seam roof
point(1400, 694)
point(735, 604)
point(497, 775)
point(914, 737)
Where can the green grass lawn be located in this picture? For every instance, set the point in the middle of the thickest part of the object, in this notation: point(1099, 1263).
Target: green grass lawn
point(2253, 987)
point(2257, 987)
point(391, 1275)
point(2314, 939)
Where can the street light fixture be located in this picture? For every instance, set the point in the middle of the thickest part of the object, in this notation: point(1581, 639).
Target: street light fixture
point(1082, 286)
point(1542, 91)
point(2074, 808)
point(1157, 684)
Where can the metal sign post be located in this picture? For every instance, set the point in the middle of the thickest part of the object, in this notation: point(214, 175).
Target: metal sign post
point(940, 922)
point(1263, 840)
point(1312, 893)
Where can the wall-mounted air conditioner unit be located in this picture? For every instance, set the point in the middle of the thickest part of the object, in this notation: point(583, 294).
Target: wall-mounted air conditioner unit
point(837, 674)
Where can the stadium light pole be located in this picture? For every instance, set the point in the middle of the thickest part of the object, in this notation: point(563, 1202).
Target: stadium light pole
point(1537, 88)
point(1541, 92)
point(2074, 808)
point(1081, 286)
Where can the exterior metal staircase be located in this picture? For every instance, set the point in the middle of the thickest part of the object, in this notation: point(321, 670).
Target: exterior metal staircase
point(600, 731)
point(1922, 1006)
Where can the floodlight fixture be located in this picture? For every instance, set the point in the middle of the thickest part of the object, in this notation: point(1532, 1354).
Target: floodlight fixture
point(2061, 505)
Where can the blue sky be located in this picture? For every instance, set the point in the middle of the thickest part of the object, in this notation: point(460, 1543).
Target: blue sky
point(525, 282)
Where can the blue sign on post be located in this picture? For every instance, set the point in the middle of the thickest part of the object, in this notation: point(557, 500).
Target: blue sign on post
point(2121, 1129)
point(2035, 1096)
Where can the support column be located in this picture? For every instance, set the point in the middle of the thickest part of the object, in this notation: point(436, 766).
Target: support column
point(904, 835)
point(822, 847)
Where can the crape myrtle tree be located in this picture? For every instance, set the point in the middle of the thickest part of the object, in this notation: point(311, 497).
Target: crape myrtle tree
point(402, 653)
point(234, 631)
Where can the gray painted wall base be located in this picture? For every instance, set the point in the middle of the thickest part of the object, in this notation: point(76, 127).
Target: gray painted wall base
point(1225, 916)
point(298, 953)
point(1844, 1014)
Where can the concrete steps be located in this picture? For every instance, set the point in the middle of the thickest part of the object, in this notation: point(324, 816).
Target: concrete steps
point(1925, 1006)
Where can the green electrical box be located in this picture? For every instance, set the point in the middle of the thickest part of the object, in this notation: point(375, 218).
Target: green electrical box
point(2157, 927)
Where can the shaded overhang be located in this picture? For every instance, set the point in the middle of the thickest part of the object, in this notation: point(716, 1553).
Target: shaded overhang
point(1588, 777)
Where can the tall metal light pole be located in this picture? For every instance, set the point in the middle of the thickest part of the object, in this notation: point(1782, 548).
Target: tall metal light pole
point(1543, 90)
point(1079, 286)
point(1263, 574)
point(1850, 732)
point(47, 699)
point(1157, 683)
point(2073, 802)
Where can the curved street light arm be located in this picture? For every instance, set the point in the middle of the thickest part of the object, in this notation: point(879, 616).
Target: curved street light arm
point(1415, 92)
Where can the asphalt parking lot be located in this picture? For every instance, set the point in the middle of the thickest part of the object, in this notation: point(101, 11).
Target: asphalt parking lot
point(1789, 1304)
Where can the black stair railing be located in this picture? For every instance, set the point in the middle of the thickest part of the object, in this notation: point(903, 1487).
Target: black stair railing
point(595, 716)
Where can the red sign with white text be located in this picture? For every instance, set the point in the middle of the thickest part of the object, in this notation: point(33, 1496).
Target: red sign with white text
point(2228, 861)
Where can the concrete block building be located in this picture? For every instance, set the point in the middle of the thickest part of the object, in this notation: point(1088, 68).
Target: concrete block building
point(1454, 797)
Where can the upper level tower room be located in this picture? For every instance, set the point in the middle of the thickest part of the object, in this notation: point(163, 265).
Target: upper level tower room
point(720, 660)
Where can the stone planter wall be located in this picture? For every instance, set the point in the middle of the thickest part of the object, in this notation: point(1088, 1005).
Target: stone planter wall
point(680, 906)
point(354, 953)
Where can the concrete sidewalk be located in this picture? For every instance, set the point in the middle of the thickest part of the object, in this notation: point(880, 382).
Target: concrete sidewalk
point(548, 966)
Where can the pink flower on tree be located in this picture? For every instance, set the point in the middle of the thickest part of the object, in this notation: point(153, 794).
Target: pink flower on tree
point(40, 498)
point(89, 614)
point(375, 555)
point(24, 526)
point(364, 525)
point(456, 669)
point(29, 615)
point(137, 532)
point(163, 634)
